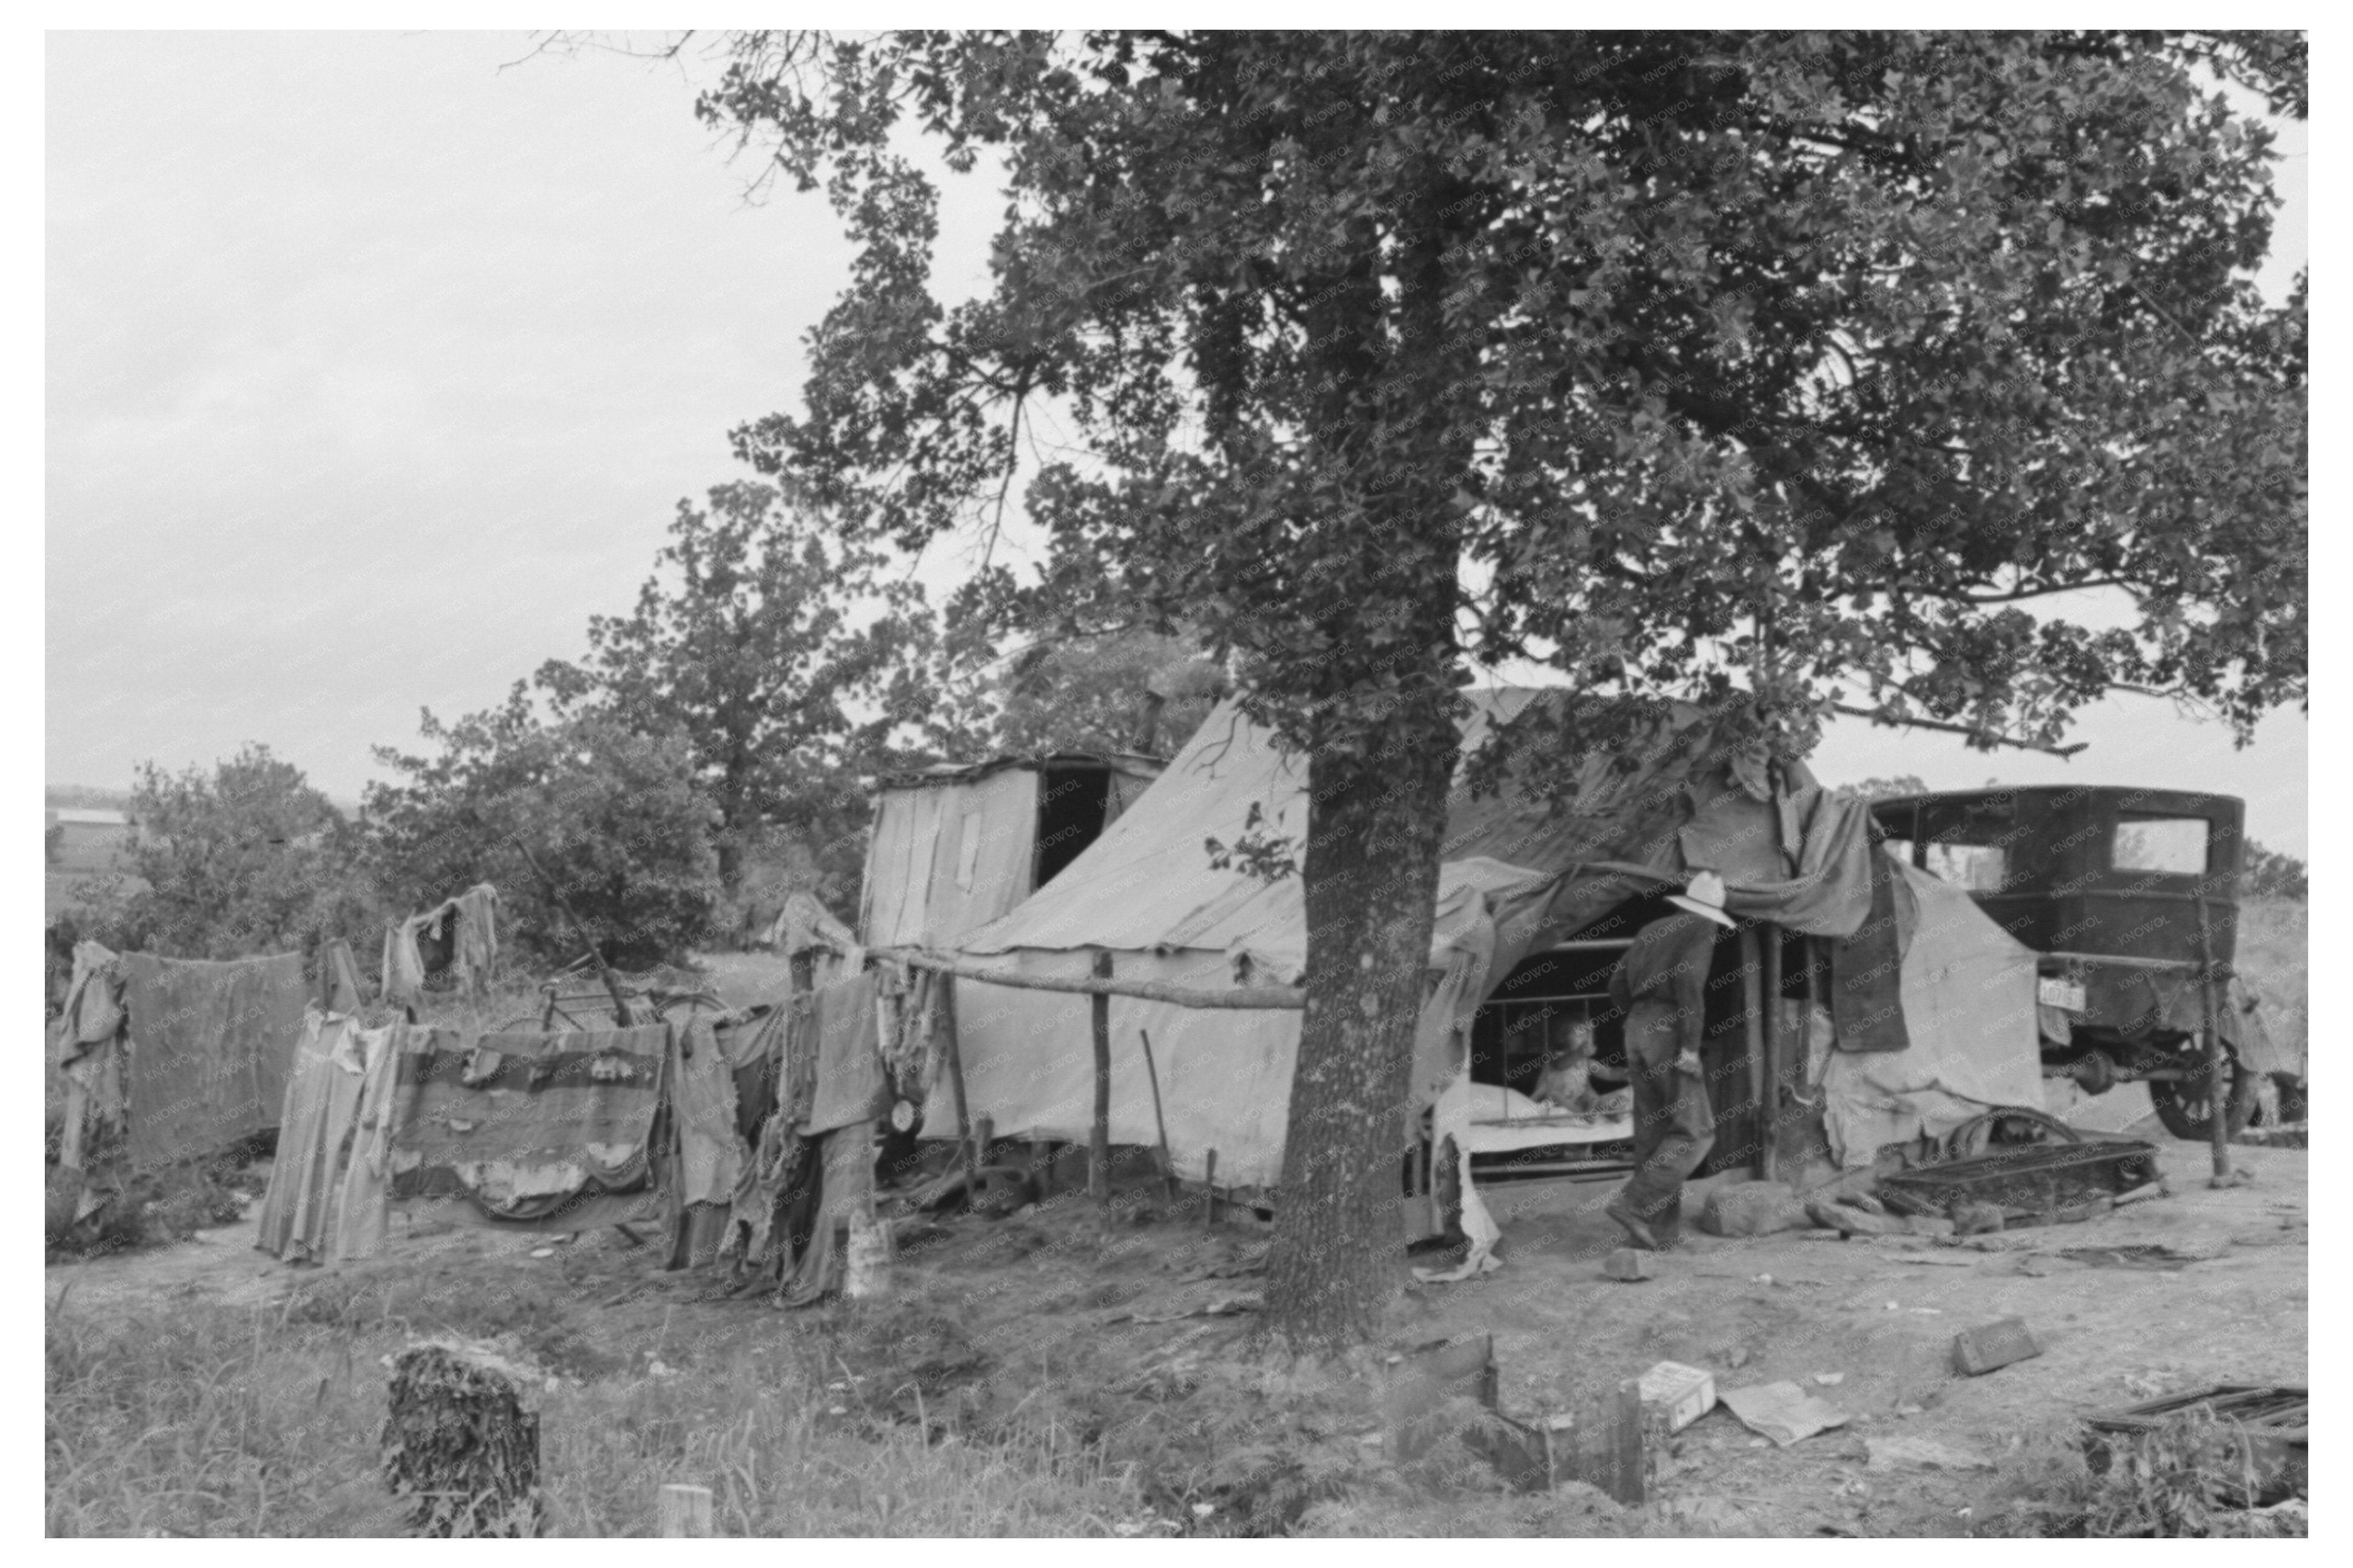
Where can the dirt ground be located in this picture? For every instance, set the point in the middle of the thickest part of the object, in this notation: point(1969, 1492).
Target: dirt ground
point(1057, 1301)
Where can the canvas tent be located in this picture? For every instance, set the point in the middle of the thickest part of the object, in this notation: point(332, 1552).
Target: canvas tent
point(1517, 877)
point(953, 848)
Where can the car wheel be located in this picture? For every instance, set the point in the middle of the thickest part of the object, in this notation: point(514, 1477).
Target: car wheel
point(2184, 1106)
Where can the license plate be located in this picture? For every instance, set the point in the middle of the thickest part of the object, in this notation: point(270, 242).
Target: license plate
point(2064, 994)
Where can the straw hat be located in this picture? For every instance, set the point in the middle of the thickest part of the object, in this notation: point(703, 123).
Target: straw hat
point(1704, 897)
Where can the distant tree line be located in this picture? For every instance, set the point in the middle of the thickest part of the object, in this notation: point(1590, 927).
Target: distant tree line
point(707, 757)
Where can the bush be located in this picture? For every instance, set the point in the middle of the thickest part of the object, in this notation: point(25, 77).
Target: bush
point(614, 817)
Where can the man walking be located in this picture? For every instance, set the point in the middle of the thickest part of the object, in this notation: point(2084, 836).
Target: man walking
point(1661, 985)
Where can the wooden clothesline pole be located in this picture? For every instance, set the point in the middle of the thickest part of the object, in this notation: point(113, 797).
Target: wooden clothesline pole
point(1262, 998)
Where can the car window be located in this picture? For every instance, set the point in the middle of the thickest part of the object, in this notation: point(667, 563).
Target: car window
point(1968, 843)
point(2165, 844)
point(1980, 868)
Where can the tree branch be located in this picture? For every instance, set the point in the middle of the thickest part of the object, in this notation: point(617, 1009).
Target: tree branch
point(1985, 737)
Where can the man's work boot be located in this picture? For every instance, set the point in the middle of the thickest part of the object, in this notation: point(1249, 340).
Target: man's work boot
point(1632, 1224)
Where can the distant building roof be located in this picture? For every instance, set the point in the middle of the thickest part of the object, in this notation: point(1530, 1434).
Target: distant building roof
point(88, 817)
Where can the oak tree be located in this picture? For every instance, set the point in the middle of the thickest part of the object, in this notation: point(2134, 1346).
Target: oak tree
point(1805, 368)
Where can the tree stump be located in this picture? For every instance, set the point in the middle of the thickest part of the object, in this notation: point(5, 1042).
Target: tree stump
point(462, 1439)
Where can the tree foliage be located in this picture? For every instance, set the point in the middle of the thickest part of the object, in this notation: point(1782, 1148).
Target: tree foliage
point(615, 816)
point(1688, 363)
point(2269, 873)
point(780, 652)
point(1123, 691)
point(1883, 788)
point(246, 859)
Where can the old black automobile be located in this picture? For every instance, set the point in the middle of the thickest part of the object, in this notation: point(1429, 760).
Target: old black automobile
point(2129, 896)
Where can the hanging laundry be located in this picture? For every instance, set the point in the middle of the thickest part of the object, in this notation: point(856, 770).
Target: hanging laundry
point(403, 966)
point(339, 978)
point(314, 1129)
point(362, 1200)
point(530, 1128)
point(210, 1046)
point(850, 1085)
point(702, 1099)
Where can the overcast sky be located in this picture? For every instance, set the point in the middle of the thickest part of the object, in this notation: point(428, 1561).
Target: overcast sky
point(374, 370)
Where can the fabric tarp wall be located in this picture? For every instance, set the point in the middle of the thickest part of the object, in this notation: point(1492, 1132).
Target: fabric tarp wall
point(949, 857)
point(1517, 876)
point(1029, 1066)
point(1968, 1006)
point(211, 1046)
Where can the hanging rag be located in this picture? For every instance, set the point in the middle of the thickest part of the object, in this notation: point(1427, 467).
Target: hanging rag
point(403, 966)
point(362, 1202)
point(844, 1195)
point(703, 1097)
point(339, 978)
point(476, 910)
point(1867, 968)
point(557, 1124)
point(321, 1109)
point(780, 1179)
point(850, 1085)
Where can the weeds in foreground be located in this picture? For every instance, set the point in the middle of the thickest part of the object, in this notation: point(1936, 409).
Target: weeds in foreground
point(2195, 1477)
point(212, 1421)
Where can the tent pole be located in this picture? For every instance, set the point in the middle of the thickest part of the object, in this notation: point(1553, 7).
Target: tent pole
point(2218, 1080)
point(1099, 1135)
point(1768, 1154)
point(1751, 1008)
point(956, 1081)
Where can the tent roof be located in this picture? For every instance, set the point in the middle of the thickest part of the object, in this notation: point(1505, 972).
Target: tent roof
point(1147, 884)
point(1678, 799)
point(940, 773)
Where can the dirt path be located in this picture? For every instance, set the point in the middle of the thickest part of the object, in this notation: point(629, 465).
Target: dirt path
point(2229, 1304)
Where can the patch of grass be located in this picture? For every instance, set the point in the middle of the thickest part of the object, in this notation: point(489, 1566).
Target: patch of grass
point(214, 1421)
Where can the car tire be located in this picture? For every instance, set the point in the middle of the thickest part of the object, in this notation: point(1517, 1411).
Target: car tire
point(2183, 1106)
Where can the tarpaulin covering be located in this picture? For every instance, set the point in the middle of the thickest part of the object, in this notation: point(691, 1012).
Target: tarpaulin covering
point(1968, 1006)
point(955, 849)
point(211, 1044)
point(1518, 874)
point(948, 857)
point(321, 1111)
point(1866, 991)
point(1029, 1064)
point(530, 1127)
point(363, 1204)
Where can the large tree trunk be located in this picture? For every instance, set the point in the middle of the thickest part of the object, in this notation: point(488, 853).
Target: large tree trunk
point(1370, 883)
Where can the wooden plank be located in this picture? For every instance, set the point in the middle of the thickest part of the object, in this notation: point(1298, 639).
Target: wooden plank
point(1168, 1165)
point(685, 1512)
point(1768, 1136)
point(1243, 998)
point(948, 1021)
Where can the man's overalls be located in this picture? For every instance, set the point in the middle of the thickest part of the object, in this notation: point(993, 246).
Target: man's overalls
point(1661, 984)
